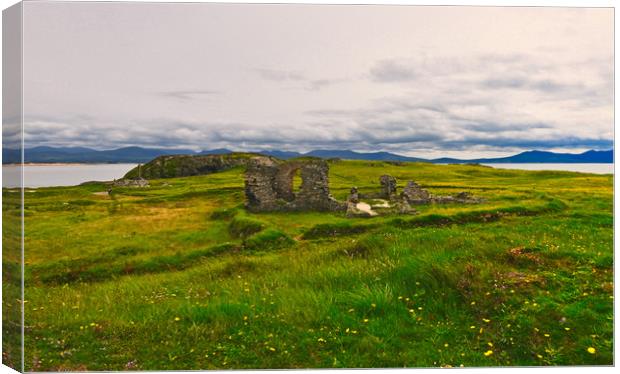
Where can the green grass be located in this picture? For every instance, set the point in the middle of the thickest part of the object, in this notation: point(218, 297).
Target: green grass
point(242, 227)
point(180, 276)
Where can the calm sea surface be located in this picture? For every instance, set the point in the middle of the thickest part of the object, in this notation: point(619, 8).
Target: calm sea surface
point(62, 175)
point(582, 168)
point(71, 175)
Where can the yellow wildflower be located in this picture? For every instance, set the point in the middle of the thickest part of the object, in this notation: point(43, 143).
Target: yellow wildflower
point(591, 350)
point(488, 353)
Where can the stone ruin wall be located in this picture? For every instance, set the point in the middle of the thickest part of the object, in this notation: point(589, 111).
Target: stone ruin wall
point(269, 186)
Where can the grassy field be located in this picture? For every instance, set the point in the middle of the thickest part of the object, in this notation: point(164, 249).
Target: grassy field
point(180, 276)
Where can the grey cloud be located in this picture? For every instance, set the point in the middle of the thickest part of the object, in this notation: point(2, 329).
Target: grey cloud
point(492, 127)
point(395, 136)
point(188, 95)
point(397, 122)
point(546, 85)
point(409, 69)
point(327, 112)
point(504, 83)
point(392, 71)
point(285, 76)
point(280, 75)
point(521, 72)
point(318, 84)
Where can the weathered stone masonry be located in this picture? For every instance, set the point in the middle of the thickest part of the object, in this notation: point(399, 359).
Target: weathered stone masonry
point(269, 186)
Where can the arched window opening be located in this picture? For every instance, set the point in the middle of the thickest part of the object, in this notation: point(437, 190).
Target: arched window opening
point(296, 177)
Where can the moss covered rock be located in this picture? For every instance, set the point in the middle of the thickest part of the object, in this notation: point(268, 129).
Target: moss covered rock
point(189, 165)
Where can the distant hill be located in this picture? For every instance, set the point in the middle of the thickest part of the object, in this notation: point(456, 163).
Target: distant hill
point(219, 151)
point(174, 166)
point(351, 155)
point(143, 155)
point(343, 154)
point(283, 155)
point(87, 155)
point(535, 157)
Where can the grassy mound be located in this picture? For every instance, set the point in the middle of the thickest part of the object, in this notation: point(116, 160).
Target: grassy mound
point(478, 216)
point(325, 230)
point(267, 240)
point(242, 227)
point(224, 213)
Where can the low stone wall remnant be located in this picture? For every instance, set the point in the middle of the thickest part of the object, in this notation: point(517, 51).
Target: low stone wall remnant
point(412, 194)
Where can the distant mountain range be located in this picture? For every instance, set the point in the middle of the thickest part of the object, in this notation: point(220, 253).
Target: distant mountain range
point(143, 155)
point(87, 155)
point(591, 157)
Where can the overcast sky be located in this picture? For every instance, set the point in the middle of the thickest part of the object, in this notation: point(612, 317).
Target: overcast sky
point(420, 81)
